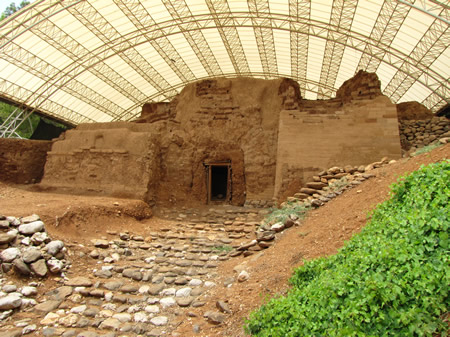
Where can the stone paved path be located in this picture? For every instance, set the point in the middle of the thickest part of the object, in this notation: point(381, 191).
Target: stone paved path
point(141, 286)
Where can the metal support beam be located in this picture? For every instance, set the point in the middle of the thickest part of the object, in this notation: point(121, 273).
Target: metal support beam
point(387, 24)
point(48, 107)
point(179, 10)
point(341, 19)
point(263, 34)
point(117, 49)
point(46, 71)
point(223, 19)
point(299, 35)
point(9, 127)
point(140, 17)
point(429, 10)
point(432, 44)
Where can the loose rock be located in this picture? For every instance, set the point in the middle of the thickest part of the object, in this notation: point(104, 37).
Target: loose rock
point(10, 302)
point(31, 228)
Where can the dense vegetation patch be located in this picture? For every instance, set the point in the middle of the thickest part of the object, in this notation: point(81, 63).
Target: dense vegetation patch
point(390, 280)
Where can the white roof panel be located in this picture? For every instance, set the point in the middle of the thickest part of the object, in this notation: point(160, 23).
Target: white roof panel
point(81, 47)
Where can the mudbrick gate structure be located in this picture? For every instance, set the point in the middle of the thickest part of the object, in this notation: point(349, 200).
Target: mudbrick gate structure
point(239, 140)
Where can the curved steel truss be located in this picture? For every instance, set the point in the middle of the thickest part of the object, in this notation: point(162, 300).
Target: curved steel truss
point(100, 61)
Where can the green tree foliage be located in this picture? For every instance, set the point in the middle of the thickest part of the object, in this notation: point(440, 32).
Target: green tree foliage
point(392, 279)
point(12, 8)
point(26, 128)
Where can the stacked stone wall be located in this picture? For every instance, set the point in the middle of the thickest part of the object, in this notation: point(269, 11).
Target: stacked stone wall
point(415, 134)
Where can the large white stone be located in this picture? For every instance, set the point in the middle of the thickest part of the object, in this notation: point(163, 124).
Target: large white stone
point(78, 309)
point(153, 309)
point(159, 320)
point(39, 267)
point(278, 227)
point(50, 319)
point(69, 320)
point(31, 254)
point(29, 291)
point(10, 254)
point(31, 228)
point(140, 317)
point(195, 282)
point(10, 302)
point(144, 289)
point(55, 265)
point(28, 329)
point(110, 324)
point(123, 317)
point(30, 218)
point(168, 292)
point(39, 237)
point(167, 302)
point(26, 241)
point(9, 288)
point(183, 292)
point(13, 232)
point(243, 276)
point(134, 308)
point(13, 221)
point(28, 302)
point(53, 247)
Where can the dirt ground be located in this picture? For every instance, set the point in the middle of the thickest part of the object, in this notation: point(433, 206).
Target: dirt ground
point(77, 219)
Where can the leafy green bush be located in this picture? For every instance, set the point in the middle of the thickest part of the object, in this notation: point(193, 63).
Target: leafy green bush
point(390, 280)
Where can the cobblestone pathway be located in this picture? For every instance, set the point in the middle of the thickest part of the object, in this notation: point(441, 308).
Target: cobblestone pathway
point(140, 286)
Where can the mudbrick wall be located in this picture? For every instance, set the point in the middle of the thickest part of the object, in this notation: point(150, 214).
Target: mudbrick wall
point(22, 161)
point(118, 159)
point(357, 127)
point(272, 138)
point(162, 156)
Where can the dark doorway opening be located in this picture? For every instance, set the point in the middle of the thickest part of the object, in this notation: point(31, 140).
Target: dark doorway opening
point(219, 183)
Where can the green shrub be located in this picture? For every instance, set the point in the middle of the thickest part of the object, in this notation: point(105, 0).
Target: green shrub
point(223, 248)
point(339, 184)
point(390, 280)
point(427, 148)
point(282, 214)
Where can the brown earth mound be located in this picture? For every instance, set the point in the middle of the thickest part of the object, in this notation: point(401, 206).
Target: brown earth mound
point(413, 111)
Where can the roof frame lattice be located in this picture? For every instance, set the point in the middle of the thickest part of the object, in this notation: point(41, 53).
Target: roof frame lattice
point(139, 50)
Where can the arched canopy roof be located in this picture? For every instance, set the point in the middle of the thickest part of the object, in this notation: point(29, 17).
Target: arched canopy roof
point(100, 60)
